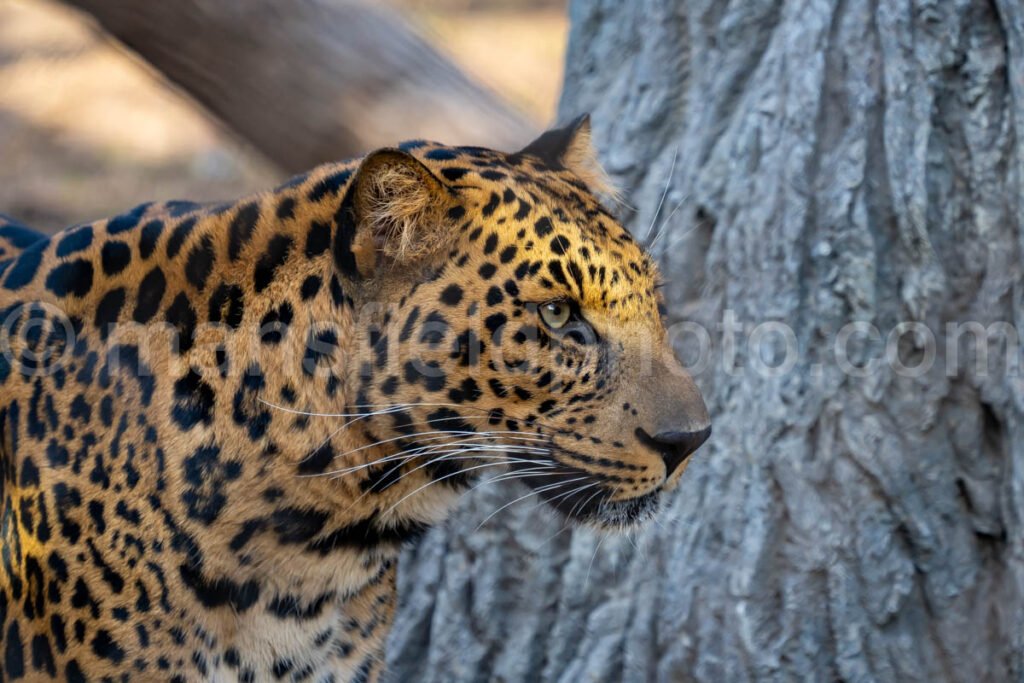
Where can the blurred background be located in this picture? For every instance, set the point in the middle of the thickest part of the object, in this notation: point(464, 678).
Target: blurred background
point(88, 129)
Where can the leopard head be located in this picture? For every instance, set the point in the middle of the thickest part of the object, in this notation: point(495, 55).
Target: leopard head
point(509, 321)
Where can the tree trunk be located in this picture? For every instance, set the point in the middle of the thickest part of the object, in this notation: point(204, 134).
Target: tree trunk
point(312, 81)
point(834, 162)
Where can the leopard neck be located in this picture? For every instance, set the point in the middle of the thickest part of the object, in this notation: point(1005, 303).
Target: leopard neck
point(265, 387)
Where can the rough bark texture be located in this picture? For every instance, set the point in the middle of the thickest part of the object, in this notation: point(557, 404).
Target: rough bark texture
point(311, 81)
point(836, 161)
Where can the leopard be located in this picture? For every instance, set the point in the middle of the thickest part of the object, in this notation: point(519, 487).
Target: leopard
point(220, 424)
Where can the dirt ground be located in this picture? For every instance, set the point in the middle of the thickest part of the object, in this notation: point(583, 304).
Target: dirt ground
point(86, 130)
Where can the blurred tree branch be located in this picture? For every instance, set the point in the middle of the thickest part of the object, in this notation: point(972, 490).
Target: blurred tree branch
point(311, 81)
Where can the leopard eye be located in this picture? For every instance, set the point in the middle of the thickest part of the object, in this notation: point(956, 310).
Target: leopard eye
point(555, 314)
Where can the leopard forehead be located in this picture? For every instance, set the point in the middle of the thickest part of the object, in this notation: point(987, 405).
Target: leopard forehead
point(543, 220)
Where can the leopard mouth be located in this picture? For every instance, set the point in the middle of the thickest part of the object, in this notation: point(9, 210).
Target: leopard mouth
point(585, 500)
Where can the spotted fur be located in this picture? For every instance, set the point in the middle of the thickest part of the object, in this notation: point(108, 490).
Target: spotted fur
point(219, 424)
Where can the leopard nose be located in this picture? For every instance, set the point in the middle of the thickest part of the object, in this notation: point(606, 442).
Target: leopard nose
point(675, 446)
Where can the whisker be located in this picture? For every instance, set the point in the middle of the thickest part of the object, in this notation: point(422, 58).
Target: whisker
point(448, 456)
point(676, 239)
point(474, 450)
point(512, 476)
point(578, 489)
point(584, 504)
point(586, 579)
point(435, 481)
point(532, 491)
point(664, 223)
point(440, 434)
point(498, 478)
point(511, 435)
point(565, 527)
point(668, 184)
point(414, 453)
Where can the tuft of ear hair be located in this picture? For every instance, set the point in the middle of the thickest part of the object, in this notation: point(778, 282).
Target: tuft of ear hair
point(571, 148)
point(401, 211)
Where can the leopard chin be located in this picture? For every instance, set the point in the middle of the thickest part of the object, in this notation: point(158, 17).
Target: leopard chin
point(584, 501)
point(611, 516)
point(622, 516)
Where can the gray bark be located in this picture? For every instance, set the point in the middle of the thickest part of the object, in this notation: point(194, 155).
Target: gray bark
point(837, 161)
point(312, 81)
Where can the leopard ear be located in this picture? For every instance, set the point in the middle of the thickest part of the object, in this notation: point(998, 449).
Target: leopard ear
point(396, 214)
point(571, 148)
